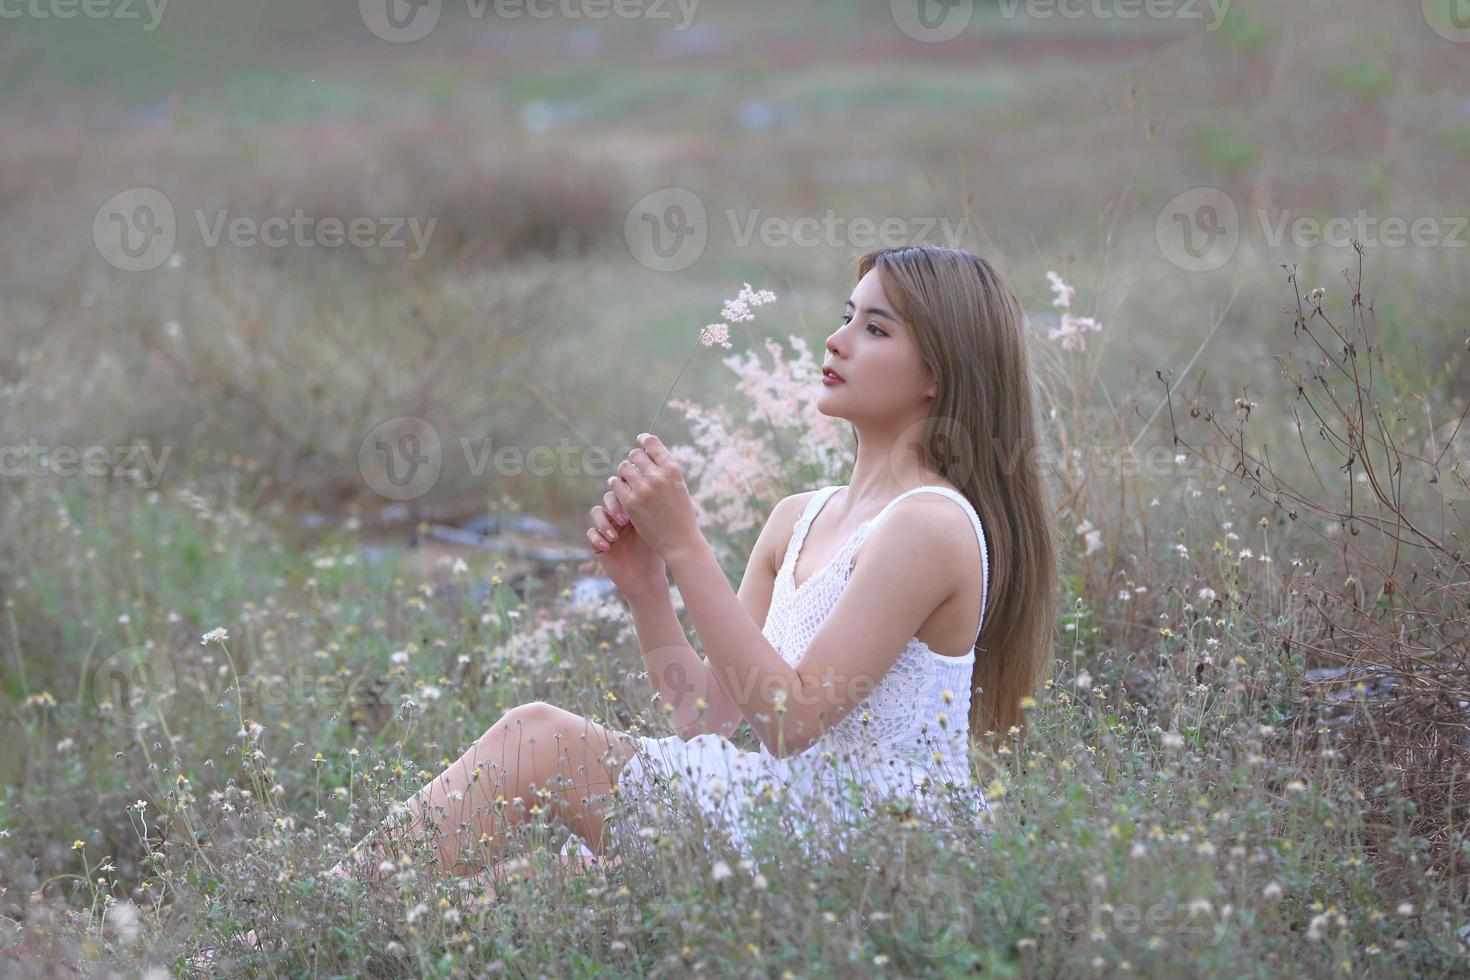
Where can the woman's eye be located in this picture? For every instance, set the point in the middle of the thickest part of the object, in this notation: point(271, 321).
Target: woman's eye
point(872, 326)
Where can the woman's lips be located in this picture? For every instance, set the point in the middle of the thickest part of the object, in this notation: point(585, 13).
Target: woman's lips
point(830, 377)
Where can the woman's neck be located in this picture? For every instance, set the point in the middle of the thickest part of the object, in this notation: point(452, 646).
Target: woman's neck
point(876, 480)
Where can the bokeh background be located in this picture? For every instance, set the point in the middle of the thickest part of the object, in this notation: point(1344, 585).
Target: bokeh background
point(554, 199)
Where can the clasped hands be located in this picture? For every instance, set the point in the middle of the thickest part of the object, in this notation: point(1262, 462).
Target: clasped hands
point(645, 515)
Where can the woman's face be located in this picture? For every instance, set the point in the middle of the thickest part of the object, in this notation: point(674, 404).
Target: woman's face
point(878, 357)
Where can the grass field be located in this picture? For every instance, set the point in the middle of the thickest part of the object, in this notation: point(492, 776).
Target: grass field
point(1258, 488)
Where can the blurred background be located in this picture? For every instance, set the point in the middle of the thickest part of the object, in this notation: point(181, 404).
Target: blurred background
point(305, 305)
point(509, 164)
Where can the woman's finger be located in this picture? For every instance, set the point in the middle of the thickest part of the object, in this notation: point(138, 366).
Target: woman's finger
point(610, 501)
point(596, 541)
point(602, 522)
point(630, 474)
point(655, 449)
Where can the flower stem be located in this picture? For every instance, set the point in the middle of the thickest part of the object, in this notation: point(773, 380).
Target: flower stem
point(671, 387)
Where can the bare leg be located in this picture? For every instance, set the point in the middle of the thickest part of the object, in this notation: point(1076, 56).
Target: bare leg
point(538, 761)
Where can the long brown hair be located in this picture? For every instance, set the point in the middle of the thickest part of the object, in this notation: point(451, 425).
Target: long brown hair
point(983, 434)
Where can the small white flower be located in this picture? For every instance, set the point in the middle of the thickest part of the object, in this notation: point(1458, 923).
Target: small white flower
point(1173, 740)
point(399, 656)
point(1271, 892)
point(217, 635)
point(721, 871)
point(1092, 537)
point(1207, 594)
point(429, 692)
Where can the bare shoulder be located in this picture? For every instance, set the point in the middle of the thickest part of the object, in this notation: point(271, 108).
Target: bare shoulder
point(781, 524)
point(929, 519)
point(932, 532)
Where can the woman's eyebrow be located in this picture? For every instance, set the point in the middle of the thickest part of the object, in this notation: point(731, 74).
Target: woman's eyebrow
point(878, 311)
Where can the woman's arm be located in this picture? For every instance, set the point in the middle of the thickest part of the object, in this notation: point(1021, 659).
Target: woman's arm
point(660, 634)
point(681, 677)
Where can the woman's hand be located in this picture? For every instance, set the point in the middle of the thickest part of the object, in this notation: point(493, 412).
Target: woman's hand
point(650, 489)
point(625, 557)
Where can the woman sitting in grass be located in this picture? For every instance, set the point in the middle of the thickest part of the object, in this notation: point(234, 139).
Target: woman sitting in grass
point(869, 638)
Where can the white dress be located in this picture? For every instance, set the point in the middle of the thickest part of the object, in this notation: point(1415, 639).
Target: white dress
point(907, 740)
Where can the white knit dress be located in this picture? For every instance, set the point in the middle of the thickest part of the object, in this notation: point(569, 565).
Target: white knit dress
point(906, 740)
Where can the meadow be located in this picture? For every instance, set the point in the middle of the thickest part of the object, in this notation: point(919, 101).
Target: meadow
point(232, 640)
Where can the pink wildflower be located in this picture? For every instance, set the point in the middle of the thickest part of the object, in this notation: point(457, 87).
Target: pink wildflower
point(1072, 327)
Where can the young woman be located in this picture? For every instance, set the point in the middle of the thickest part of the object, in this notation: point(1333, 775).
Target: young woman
point(878, 625)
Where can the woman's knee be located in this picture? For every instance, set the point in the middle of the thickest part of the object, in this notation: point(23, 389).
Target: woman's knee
point(518, 722)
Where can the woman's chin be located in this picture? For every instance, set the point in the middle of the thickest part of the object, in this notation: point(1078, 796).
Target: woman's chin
point(824, 409)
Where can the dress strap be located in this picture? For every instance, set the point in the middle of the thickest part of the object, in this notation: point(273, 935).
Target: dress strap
point(979, 534)
point(804, 522)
